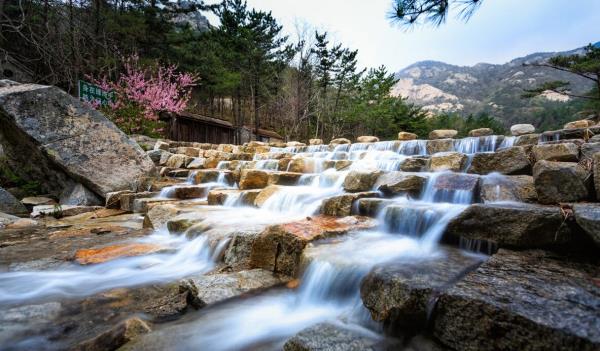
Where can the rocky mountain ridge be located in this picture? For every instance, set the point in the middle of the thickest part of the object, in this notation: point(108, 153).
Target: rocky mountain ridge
point(491, 88)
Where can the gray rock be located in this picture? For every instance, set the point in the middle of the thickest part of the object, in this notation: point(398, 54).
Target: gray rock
point(237, 254)
point(512, 160)
point(588, 150)
point(213, 288)
point(522, 129)
point(587, 215)
point(156, 155)
point(78, 195)
point(393, 183)
point(522, 301)
point(338, 337)
point(442, 133)
point(453, 161)
point(400, 293)
point(415, 164)
point(357, 181)
point(341, 205)
point(518, 225)
point(497, 187)
point(17, 320)
point(62, 138)
point(564, 152)
point(439, 145)
point(557, 182)
point(527, 139)
point(10, 204)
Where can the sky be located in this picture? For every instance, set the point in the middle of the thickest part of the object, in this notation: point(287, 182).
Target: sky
point(498, 32)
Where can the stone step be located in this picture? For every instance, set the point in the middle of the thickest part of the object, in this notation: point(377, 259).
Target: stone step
point(522, 300)
point(401, 293)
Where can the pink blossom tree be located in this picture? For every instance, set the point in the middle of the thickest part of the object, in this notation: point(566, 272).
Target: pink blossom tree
point(143, 92)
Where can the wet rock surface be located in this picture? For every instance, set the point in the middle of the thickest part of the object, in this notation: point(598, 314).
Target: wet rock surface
point(279, 247)
point(557, 182)
point(512, 225)
point(401, 293)
point(328, 336)
point(522, 300)
point(512, 160)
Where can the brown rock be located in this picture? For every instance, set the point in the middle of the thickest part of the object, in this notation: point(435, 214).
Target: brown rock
point(253, 179)
point(279, 247)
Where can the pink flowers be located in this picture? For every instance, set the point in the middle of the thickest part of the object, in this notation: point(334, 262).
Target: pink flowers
point(141, 93)
point(162, 89)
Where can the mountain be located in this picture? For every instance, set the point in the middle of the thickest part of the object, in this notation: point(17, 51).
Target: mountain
point(491, 88)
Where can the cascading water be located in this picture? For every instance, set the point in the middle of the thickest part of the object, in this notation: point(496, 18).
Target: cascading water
point(329, 291)
point(181, 257)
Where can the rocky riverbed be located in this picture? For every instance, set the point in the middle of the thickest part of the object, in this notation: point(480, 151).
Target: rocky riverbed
point(486, 242)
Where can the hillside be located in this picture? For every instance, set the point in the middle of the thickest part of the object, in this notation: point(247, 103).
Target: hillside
point(491, 88)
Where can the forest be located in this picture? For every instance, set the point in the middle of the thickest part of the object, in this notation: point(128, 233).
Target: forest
point(244, 69)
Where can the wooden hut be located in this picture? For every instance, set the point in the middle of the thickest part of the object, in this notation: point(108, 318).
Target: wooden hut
point(187, 126)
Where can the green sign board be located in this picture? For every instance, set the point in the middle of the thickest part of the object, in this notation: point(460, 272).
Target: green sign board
point(93, 93)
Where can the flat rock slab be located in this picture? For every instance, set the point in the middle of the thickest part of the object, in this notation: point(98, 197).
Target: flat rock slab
point(511, 225)
point(213, 288)
point(338, 337)
point(399, 293)
point(113, 252)
point(522, 301)
point(66, 136)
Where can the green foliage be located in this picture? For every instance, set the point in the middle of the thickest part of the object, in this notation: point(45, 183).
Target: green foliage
point(9, 179)
point(586, 66)
point(414, 12)
point(464, 125)
point(130, 119)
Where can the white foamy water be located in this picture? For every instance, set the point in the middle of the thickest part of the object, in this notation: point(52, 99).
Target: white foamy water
point(181, 258)
point(409, 230)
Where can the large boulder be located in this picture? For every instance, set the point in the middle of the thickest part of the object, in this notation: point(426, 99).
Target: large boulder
point(454, 187)
point(564, 152)
point(511, 225)
point(557, 182)
point(448, 161)
point(587, 215)
point(315, 141)
point(10, 204)
point(442, 134)
point(512, 160)
point(53, 138)
point(521, 301)
point(398, 293)
point(361, 180)
point(522, 129)
point(497, 187)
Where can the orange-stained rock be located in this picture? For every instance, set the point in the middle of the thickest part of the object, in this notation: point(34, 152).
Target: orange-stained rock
point(109, 253)
point(279, 247)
